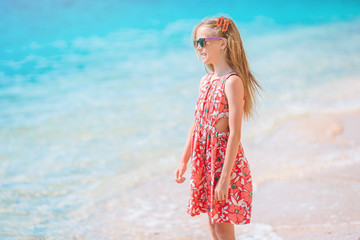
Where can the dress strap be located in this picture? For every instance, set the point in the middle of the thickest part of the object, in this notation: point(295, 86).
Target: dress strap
point(230, 73)
point(227, 76)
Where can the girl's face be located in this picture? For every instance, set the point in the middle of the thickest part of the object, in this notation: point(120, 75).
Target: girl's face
point(211, 52)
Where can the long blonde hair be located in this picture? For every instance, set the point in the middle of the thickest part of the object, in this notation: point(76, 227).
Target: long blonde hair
point(236, 58)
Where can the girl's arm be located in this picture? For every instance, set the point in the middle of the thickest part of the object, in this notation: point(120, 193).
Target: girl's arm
point(181, 168)
point(234, 91)
point(187, 149)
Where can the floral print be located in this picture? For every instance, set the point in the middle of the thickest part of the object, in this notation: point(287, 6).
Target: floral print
point(208, 147)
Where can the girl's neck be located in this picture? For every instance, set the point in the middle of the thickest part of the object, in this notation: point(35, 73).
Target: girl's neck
point(221, 67)
point(218, 74)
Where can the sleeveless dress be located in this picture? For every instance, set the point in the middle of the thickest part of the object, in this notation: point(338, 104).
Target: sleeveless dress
point(208, 149)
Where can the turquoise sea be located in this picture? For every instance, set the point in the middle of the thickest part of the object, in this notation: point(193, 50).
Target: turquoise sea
point(97, 96)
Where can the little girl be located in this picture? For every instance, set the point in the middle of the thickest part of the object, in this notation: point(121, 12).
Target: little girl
point(220, 182)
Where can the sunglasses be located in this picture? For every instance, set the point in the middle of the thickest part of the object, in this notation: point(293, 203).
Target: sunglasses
point(202, 41)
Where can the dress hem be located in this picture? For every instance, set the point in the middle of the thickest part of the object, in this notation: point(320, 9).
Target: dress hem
point(247, 221)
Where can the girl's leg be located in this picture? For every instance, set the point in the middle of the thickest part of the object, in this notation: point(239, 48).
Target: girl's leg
point(225, 231)
point(212, 230)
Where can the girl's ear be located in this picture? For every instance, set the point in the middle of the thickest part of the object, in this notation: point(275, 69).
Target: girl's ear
point(223, 43)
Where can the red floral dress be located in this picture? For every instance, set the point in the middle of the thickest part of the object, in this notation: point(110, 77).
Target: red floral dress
point(208, 148)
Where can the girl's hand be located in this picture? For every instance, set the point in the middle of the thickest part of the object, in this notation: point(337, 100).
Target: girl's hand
point(222, 189)
point(179, 172)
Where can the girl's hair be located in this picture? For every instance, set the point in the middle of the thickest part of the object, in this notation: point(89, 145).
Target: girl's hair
point(235, 57)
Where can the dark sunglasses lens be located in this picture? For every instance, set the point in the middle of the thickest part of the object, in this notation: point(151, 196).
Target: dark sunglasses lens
point(202, 41)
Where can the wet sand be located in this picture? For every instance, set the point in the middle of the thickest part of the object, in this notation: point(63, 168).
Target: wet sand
point(306, 186)
point(322, 200)
point(321, 205)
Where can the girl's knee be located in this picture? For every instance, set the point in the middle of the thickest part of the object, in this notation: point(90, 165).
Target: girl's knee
point(224, 231)
point(221, 233)
point(211, 225)
point(212, 230)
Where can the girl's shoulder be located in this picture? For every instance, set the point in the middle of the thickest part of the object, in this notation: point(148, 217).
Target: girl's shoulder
point(234, 81)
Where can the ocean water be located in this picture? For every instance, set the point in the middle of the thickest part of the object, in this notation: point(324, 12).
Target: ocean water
point(96, 97)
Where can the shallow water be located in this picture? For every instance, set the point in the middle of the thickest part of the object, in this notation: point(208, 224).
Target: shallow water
point(98, 106)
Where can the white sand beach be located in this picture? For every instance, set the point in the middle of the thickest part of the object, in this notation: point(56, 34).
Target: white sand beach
point(310, 194)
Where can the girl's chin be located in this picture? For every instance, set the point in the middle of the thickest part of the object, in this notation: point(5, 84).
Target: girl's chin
point(205, 60)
